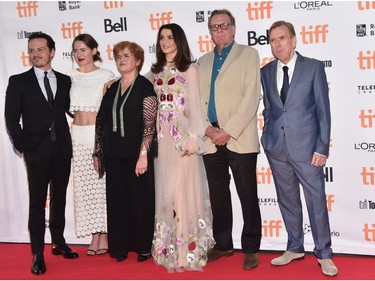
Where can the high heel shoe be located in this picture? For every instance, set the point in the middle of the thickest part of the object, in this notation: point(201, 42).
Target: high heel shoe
point(143, 257)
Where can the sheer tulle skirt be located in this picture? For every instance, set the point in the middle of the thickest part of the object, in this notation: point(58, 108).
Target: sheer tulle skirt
point(183, 218)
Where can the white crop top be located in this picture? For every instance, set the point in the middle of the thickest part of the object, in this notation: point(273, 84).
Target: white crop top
point(86, 92)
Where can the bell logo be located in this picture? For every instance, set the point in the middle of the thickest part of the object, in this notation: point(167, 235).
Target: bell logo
point(369, 232)
point(366, 61)
point(264, 176)
point(314, 34)
point(366, 119)
point(205, 44)
point(113, 4)
point(366, 5)
point(368, 176)
point(71, 30)
point(260, 10)
point(271, 228)
point(157, 20)
point(27, 9)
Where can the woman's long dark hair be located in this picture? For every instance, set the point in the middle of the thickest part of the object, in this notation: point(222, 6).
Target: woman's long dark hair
point(183, 57)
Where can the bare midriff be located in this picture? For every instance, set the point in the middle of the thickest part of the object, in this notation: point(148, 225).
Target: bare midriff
point(83, 118)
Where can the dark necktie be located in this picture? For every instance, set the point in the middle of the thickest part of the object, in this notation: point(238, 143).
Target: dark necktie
point(50, 100)
point(285, 88)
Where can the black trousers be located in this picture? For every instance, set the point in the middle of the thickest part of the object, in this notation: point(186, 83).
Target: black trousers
point(130, 206)
point(51, 169)
point(243, 167)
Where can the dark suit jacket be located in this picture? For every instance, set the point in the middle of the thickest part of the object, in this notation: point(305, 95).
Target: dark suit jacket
point(304, 119)
point(25, 99)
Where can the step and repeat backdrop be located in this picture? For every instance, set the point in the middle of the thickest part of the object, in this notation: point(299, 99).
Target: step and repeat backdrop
point(339, 33)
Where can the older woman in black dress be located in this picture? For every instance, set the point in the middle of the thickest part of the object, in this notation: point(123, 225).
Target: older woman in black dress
point(125, 129)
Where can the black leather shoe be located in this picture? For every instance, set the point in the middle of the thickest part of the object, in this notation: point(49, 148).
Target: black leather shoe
point(38, 265)
point(143, 257)
point(214, 254)
point(64, 250)
point(121, 258)
point(250, 261)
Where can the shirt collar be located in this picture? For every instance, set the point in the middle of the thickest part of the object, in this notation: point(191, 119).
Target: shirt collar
point(225, 51)
point(40, 72)
point(291, 63)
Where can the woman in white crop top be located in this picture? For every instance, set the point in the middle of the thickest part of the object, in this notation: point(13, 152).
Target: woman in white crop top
point(85, 97)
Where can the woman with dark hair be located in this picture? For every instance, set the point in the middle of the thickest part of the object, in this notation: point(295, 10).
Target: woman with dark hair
point(86, 94)
point(183, 219)
point(125, 130)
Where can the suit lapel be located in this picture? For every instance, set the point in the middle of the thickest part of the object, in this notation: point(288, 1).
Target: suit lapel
point(35, 87)
point(298, 71)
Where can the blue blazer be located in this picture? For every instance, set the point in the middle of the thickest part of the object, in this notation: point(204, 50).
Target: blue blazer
point(305, 118)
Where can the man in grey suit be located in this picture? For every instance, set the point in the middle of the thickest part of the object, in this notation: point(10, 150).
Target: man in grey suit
point(230, 91)
point(296, 137)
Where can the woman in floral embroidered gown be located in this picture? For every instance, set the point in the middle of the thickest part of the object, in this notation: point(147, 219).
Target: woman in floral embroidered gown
point(183, 219)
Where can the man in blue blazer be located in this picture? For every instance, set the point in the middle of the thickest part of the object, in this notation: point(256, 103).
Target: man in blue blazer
point(296, 137)
point(40, 97)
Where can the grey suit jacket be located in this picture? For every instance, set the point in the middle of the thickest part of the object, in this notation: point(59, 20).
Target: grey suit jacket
point(237, 96)
point(305, 118)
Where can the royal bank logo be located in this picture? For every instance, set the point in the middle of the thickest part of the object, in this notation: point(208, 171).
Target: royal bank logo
point(366, 89)
point(364, 30)
point(69, 5)
point(367, 205)
point(202, 16)
point(312, 5)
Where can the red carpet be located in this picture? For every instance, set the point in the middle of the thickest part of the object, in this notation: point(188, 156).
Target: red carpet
point(15, 262)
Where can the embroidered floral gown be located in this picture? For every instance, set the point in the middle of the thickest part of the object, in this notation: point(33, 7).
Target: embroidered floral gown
point(183, 219)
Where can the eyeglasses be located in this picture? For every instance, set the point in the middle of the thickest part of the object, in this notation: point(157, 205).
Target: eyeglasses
point(223, 26)
point(125, 57)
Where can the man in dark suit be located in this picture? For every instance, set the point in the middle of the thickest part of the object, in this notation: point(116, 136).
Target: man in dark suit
point(296, 138)
point(40, 97)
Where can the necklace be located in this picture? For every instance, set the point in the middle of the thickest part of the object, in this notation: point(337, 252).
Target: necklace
point(114, 107)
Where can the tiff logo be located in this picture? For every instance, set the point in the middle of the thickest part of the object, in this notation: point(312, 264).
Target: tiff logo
point(366, 61)
point(366, 119)
point(366, 5)
point(157, 20)
point(113, 4)
point(330, 201)
point(260, 121)
point(264, 176)
point(369, 232)
point(71, 29)
point(259, 10)
point(266, 60)
point(205, 44)
point(368, 176)
point(314, 34)
point(27, 9)
point(271, 228)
